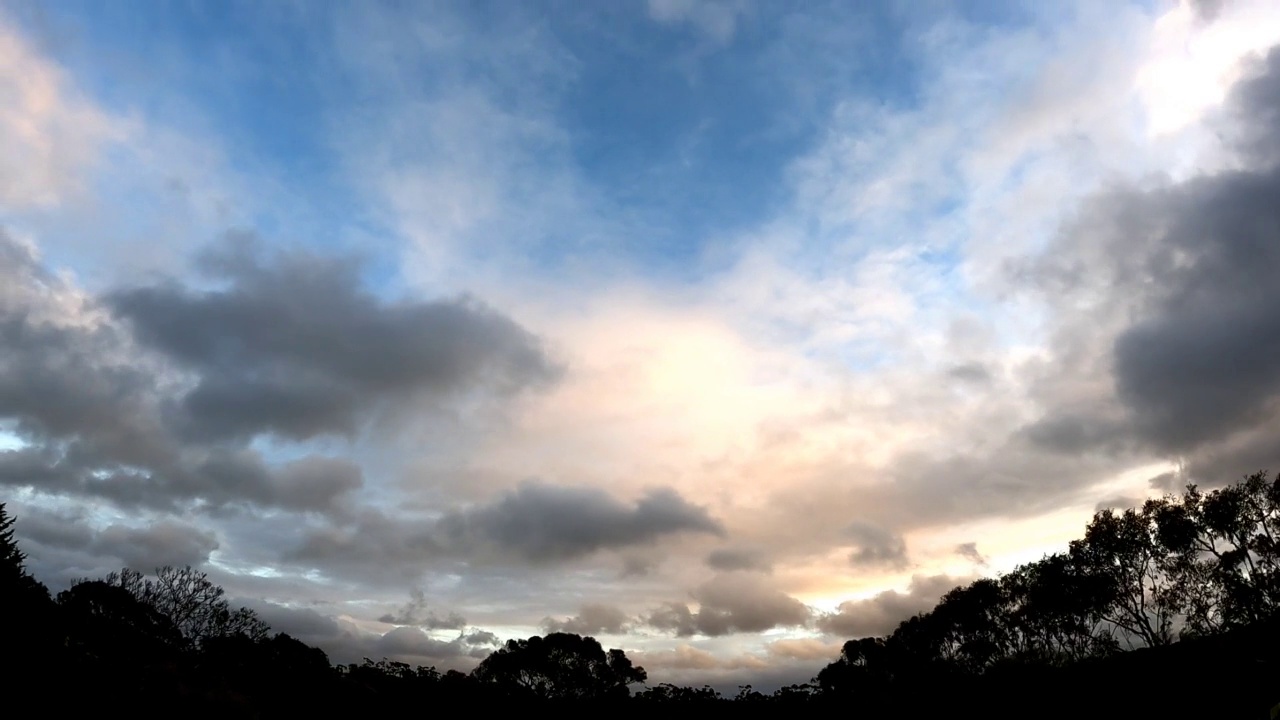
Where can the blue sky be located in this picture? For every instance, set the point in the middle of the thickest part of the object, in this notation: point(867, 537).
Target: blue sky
point(684, 135)
point(531, 311)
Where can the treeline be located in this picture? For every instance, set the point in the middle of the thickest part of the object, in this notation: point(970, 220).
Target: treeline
point(1168, 610)
point(1161, 611)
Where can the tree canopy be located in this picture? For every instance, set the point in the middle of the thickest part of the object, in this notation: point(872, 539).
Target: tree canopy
point(561, 666)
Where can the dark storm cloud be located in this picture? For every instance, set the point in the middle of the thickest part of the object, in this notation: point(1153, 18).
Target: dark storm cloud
point(738, 559)
point(544, 523)
point(732, 603)
point(591, 619)
point(880, 614)
point(295, 346)
point(875, 546)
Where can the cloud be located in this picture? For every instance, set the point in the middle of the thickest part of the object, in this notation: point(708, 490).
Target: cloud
point(732, 603)
point(166, 541)
point(1207, 10)
point(1186, 269)
point(1119, 502)
point(303, 623)
point(969, 551)
point(804, 649)
point(49, 134)
point(591, 619)
point(687, 657)
point(215, 479)
point(880, 614)
point(415, 613)
point(66, 371)
point(681, 657)
point(874, 546)
point(412, 642)
point(637, 566)
point(545, 523)
point(297, 348)
point(149, 397)
point(717, 19)
point(535, 523)
point(973, 372)
point(738, 559)
point(345, 642)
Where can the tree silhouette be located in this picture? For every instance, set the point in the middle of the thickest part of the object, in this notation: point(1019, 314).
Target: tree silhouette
point(30, 638)
point(1121, 555)
point(105, 622)
point(15, 581)
point(193, 602)
point(668, 693)
point(560, 666)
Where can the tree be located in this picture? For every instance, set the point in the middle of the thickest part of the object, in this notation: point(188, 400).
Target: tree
point(972, 620)
point(16, 584)
point(667, 692)
point(863, 668)
point(1240, 526)
point(1054, 612)
point(107, 623)
point(1120, 556)
point(30, 639)
point(195, 605)
point(560, 666)
point(1222, 553)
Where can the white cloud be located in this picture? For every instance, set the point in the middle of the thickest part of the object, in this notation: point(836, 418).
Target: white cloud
point(50, 136)
point(717, 19)
point(1194, 61)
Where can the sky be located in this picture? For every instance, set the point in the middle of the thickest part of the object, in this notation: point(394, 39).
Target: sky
point(720, 331)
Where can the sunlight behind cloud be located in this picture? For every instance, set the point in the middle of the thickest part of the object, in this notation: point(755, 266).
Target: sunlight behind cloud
point(1195, 60)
